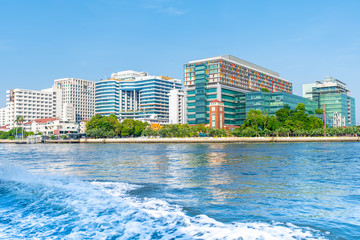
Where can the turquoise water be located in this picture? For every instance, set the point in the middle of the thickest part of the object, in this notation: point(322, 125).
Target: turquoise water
point(180, 191)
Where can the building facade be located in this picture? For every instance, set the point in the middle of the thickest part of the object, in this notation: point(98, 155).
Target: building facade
point(75, 98)
point(51, 126)
point(339, 105)
point(228, 79)
point(136, 95)
point(177, 112)
point(217, 114)
point(270, 102)
point(2, 117)
point(30, 104)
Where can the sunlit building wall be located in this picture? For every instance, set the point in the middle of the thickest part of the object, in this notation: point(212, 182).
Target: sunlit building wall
point(76, 94)
point(29, 104)
point(177, 112)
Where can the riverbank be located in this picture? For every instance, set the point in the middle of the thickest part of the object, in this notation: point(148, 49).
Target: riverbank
point(223, 140)
point(199, 140)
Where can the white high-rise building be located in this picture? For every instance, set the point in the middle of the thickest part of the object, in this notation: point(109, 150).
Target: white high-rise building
point(2, 117)
point(68, 112)
point(30, 104)
point(177, 107)
point(76, 95)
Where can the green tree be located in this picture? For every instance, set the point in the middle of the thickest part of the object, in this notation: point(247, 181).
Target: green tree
point(4, 135)
point(127, 127)
point(255, 119)
point(314, 123)
point(214, 132)
point(282, 114)
point(150, 132)
point(272, 123)
point(18, 120)
point(319, 111)
point(237, 132)
point(284, 132)
point(139, 127)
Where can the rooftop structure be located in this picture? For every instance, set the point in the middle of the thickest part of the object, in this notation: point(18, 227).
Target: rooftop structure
point(127, 75)
point(328, 85)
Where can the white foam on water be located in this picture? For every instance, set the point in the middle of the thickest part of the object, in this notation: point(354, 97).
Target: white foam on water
point(64, 208)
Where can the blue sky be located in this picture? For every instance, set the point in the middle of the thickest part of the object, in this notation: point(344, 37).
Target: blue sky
point(302, 40)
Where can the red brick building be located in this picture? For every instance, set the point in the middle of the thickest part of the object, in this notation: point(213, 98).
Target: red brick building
point(216, 114)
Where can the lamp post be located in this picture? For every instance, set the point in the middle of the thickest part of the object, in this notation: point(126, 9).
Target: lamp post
point(324, 119)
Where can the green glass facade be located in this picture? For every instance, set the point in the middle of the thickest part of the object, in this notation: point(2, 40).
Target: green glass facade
point(198, 102)
point(339, 103)
point(271, 102)
point(333, 93)
point(200, 96)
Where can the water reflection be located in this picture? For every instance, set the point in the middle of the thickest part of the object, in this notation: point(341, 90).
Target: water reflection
point(303, 182)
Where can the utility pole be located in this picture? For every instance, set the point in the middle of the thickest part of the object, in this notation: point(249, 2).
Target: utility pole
point(324, 119)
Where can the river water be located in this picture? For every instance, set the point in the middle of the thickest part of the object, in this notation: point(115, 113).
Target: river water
point(180, 191)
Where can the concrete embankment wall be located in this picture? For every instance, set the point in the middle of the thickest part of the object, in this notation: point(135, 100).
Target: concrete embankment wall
point(200, 140)
point(223, 140)
point(13, 141)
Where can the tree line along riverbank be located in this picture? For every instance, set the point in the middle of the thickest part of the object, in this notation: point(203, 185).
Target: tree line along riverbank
point(285, 123)
point(153, 140)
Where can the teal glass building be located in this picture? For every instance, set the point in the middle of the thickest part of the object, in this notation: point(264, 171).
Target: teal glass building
point(334, 95)
point(228, 79)
point(270, 102)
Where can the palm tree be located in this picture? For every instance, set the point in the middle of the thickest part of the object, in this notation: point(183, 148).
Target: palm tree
point(16, 121)
point(19, 119)
point(22, 120)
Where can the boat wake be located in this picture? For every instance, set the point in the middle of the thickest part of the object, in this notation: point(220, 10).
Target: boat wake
point(39, 207)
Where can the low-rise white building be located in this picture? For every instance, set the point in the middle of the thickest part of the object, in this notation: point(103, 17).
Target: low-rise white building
point(177, 107)
point(51, 126)
point(5, 128)
point(82, 126)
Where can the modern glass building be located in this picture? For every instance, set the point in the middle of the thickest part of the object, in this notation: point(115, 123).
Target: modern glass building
point(271, 102)
point(136, 95)
point(227, 79)
point(339, 105)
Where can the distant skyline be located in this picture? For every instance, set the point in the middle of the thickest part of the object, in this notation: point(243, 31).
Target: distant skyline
point(304, 41)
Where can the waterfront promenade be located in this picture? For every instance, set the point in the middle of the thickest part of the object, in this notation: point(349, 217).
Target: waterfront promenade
point(199, 140)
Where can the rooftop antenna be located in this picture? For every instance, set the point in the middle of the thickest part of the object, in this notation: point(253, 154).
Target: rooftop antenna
point(105, 73)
